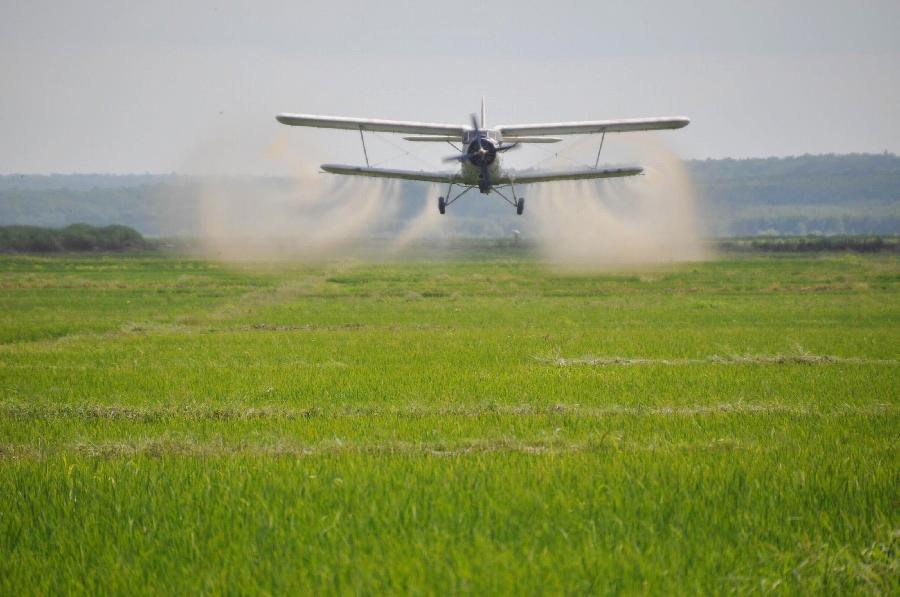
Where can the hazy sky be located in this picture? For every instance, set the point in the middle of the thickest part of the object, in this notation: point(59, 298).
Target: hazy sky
point(113, 86)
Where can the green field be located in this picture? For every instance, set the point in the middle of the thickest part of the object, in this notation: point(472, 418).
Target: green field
point(479, 425)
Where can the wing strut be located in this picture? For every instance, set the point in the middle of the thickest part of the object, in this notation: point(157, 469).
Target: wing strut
point(366, 153)
point(597, 161)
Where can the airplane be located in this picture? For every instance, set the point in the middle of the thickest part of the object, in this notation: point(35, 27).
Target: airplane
point(480, 162)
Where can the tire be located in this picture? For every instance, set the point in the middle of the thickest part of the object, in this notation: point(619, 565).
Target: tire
point(520, 206)
point(442, 205)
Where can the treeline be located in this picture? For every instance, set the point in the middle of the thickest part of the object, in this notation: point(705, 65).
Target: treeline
point(796, 180)
point(813, 220)
point(73, 238)
point(810, 194)
point(853, 194)
point(812, 244)
point(148, 205)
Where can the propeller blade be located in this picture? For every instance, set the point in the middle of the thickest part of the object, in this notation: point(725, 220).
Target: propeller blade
point(457, 158)
point(485, 176)
point(477, 130)
point(507, 147)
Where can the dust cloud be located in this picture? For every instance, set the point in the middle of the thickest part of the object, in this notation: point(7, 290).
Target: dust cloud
point(307, 216)
point(252, 220)
point(647, 219)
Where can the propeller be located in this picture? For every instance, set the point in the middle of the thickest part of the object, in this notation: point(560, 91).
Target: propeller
point(484, 147)
point(462, 157)
point(481, 153)
point(477, 128)
point(469, 154)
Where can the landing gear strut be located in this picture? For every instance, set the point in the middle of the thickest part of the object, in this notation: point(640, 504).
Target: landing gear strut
point(444, 202)
point(516, 201)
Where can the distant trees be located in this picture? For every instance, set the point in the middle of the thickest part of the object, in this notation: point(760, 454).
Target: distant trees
point(793, 244)
point(818, 179)
point(76, 237)
point(809, 194)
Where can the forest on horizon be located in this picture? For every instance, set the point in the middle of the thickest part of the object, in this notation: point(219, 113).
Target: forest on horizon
point(811, 194)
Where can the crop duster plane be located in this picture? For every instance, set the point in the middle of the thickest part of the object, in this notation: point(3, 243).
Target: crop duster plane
point(480, 161)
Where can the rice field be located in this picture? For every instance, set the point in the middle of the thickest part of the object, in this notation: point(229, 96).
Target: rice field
point(479, 424)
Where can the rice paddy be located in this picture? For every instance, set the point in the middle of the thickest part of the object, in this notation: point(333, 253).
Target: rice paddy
point(481, 424)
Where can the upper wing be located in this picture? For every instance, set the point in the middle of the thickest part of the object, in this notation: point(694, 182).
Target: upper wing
point(371, 124)
point(452, 139)
point(434, 138)
point(445, 177)
point(511, 131)
point(583, 174)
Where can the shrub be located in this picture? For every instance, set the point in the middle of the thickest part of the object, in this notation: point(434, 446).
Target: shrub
point(77, 237)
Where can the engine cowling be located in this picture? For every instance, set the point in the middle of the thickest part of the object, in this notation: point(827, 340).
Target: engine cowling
point(482, 152)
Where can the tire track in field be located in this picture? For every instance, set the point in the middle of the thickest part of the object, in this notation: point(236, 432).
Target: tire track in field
point(164, 447)
point(87, 412)
point(738, 359)
point(167, 447)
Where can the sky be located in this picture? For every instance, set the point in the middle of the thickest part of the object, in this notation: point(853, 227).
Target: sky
point(183, 86)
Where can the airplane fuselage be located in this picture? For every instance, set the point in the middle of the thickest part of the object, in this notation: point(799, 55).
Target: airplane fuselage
point(482, 153)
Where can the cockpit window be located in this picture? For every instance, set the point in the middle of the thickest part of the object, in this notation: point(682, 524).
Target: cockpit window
point(470, 136)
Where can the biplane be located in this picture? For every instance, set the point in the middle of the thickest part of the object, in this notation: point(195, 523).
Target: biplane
point(479, 149)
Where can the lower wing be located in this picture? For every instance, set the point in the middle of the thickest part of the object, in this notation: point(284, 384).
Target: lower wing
point(445, 177)
point(583, 174)
point(508, 177)
point(452, 139)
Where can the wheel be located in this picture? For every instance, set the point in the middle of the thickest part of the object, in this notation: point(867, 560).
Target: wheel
point(520, 206)
point(442, 205)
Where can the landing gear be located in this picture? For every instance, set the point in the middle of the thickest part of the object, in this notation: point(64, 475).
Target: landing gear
point(444, 202)
point(517, 202)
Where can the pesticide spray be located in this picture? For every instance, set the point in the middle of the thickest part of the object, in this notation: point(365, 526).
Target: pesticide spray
point(618, 222)
point(306, 216)
point(578, 224)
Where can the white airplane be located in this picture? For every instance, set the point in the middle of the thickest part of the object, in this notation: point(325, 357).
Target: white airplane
point(480, 162)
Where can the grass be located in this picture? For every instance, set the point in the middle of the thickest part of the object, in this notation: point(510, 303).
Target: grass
point(478, 425)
